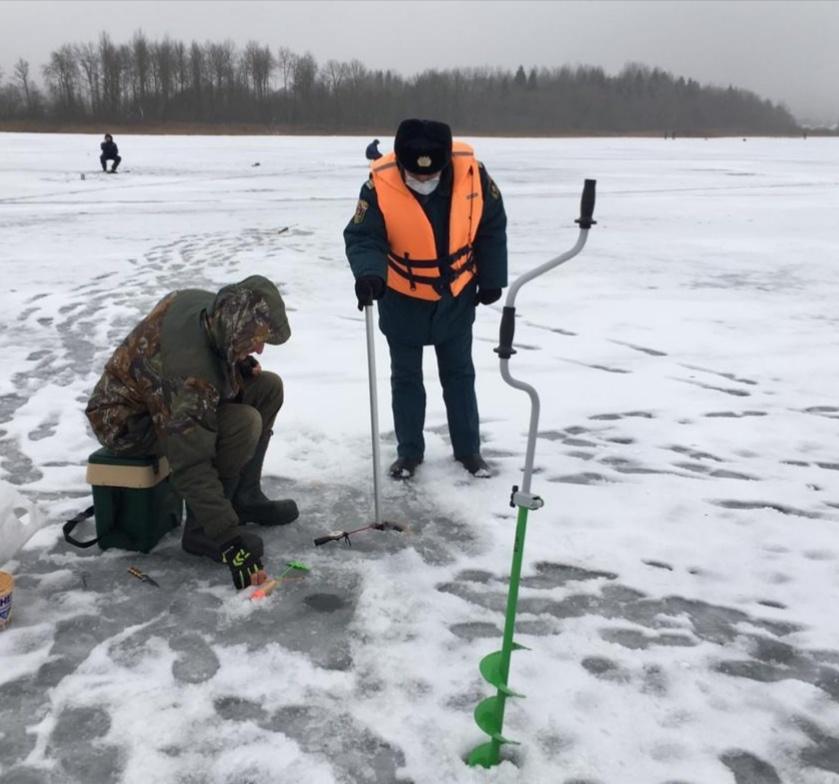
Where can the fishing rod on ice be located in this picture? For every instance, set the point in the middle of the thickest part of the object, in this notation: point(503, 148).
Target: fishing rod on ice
point(337, 536)
point(379, 524)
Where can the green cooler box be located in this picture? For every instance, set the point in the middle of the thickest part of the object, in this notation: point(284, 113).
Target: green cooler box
point(134, 502)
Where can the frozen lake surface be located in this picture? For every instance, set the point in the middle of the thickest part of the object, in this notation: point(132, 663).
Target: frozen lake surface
point(680, 585)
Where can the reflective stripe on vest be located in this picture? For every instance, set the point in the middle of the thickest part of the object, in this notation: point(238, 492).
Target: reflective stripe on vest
point(414, 268)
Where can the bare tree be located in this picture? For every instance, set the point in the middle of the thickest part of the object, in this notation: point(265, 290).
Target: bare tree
point(197, 69)
point(286, 62)
point(248, 66)
point(258, 66)
point(305, 106)
point(140, 71)
point(163, 70)
point(22, 78)
point(61, 74)
point(221, 61)
point(126, 64)
point(358, 74)
point(10, 98)
point(91, 66)
point(304, 75)
point(335, 74)
point(181, 66)
point(265, 69)
point(358, 78)
point(111, 60)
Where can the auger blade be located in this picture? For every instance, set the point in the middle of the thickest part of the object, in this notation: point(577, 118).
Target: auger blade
point(486, 717)
point(490, 668)
point(485, 755)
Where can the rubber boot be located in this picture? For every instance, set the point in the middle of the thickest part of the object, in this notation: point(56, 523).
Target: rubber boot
point(251, 504)
point(196, 541)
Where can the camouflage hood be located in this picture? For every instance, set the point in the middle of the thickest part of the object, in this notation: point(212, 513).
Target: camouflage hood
point(246, 313)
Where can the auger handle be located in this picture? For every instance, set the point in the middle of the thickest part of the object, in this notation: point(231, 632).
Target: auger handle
point(587, 205)
point(506, 333)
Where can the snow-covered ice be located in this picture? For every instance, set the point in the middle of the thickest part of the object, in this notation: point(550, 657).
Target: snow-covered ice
point(680, 584)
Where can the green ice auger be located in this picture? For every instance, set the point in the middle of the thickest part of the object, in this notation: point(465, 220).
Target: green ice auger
point(489, 714)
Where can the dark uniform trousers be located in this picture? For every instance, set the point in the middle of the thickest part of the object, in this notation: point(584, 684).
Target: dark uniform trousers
point(457, 378)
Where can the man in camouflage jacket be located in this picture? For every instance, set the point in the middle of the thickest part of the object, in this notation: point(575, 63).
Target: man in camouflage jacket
point(184, 384)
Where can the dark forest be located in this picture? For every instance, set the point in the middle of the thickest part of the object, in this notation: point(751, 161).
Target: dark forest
point(170, 87)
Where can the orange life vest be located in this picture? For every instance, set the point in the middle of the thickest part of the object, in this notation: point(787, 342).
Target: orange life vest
point(414, 268)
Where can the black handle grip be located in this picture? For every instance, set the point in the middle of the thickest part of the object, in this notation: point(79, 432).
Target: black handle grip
point(587, 205)
point(323, 540)
point(505, 337)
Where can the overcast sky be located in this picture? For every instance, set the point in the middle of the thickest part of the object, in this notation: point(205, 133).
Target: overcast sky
point(784, 50)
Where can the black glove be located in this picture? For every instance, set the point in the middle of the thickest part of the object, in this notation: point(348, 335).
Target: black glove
point(242, 564)
point(368, 288)
point(247, 366)
point(487, 296)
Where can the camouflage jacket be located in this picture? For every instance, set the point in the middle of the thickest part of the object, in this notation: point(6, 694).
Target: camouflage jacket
point(162, 387)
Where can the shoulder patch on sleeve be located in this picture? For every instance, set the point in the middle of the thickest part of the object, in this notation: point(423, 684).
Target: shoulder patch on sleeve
point(370, 184)
point(493, 188)
point(360, 211)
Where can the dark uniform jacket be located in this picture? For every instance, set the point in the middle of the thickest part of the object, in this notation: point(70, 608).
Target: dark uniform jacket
point(162, 388)
point(109, 150)
point(421, 322)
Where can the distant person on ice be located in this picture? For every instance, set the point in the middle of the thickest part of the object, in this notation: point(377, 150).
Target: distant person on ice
point(110, 152)
point(372, 152)
point(184, 384)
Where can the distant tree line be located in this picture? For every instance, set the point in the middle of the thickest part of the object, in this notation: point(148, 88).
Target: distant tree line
point(169, 83)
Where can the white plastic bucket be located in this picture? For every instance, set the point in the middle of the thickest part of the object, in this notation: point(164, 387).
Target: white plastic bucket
point(7, 584)
point(20, 519)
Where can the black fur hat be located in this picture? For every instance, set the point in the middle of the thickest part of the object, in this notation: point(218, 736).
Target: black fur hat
point(423, 146)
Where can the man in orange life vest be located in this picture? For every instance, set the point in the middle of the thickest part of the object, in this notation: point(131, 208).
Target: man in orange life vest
point(428, 241)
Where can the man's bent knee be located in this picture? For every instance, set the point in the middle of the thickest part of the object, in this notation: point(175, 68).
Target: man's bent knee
point(265, 393)
point(240, 427)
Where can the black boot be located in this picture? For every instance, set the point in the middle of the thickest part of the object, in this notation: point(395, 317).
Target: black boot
point(475, 465)
point(250, 502)
point(195, 540)
point(404, 467)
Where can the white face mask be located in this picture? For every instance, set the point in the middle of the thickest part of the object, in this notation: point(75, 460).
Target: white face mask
point(423, 187)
